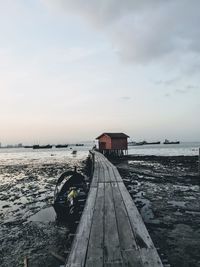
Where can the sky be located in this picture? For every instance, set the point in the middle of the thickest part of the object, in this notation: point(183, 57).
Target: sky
point(70, 70)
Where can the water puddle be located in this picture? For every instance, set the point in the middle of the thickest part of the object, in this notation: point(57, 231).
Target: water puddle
point(177, 203)
point(44, 215)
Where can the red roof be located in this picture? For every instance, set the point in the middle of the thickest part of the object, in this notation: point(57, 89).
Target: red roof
point(114, 135)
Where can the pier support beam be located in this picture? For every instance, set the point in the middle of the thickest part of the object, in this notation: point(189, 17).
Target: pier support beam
point(199, 164)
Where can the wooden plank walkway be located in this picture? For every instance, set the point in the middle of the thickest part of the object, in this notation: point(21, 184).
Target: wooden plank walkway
point(111, 231)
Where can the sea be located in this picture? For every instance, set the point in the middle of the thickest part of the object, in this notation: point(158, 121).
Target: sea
point(29, 155)
point(25, 155)
point(182, 149)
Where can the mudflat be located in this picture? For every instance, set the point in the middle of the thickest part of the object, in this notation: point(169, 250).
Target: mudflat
point(166, 191)
point(28, 225)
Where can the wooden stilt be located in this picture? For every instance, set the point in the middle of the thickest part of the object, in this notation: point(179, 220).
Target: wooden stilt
point(26, 261)
point(199, 163)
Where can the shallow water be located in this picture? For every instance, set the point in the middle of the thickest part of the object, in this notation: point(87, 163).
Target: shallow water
point(28, 225)
point(44, 215)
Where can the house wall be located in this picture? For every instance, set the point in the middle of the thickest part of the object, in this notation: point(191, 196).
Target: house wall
point(104, 142)
point(119, 143)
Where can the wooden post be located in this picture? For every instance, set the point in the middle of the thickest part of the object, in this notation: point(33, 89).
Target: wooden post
point(199, 163)
point(26, 262)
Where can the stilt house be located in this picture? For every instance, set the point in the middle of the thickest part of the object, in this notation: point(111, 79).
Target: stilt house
point(113, 143)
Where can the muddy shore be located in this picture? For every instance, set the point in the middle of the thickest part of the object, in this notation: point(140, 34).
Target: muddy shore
point(28, 225)
point(166, 190)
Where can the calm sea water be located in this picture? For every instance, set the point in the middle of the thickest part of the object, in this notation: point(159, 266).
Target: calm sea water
point(24, 155)
point(12, 156)
point(184, 148)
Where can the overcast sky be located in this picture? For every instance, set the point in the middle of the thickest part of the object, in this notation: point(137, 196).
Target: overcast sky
point(72, 69)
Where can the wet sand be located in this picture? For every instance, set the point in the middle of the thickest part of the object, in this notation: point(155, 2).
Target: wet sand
point(27, 219)
point(166, 192)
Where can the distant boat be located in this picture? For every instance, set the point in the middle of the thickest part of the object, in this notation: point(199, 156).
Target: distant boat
point(132, 143)
point(152, 143)
point(167, 142)
point(79, 144)
point(42, 147)
point(136, 143)
point(74, 152)
point(143, 143)
point(140, 143)
point(61, 146)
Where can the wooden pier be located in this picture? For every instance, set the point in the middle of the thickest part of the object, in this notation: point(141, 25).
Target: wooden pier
point(111, 231)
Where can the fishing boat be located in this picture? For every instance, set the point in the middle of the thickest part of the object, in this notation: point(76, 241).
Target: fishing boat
point(61, 146)
point(143, 143)
point(167, 142)
point(132, 143)
point(152, 143)
point(42, 147)
point(70, 195)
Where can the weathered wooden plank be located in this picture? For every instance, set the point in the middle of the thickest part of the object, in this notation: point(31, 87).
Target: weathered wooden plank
point(74, 265)
point(128, 245)
point(95, 247)
point(95, 177)
point(114, 264)
point(80, 243)
point(112, 253)
point(107, 174)
point(117, 175)
point(132, 258)
point(101, 172)
point(126, 237)
point(142, 237)
point(111, 173)
point(94, 263)
point(112, 168)
point(150, 257)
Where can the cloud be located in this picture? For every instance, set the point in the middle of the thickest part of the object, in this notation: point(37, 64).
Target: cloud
point(167, 95)
point(143, 31)
point(167, 82)
point(192, 87)
point(181, 91)
point(125, 98)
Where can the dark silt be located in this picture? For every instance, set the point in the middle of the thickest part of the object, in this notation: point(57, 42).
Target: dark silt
point(28, 226)
point(166, 192)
